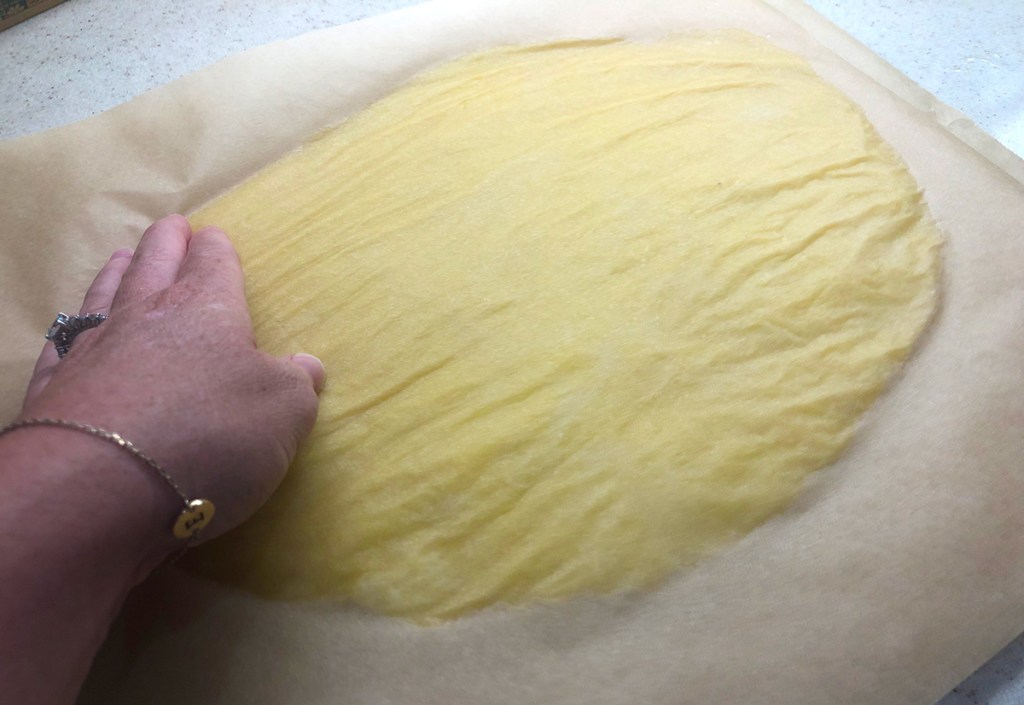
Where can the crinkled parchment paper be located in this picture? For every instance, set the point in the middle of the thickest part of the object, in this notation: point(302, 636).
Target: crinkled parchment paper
point(893, 576)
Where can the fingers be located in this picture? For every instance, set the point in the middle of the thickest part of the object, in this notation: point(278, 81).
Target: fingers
point(46, 364)
point(312, 366)
point(305, 405)
point(97, 300)
point(157, 259)
point(212, 266)
point(103, 288)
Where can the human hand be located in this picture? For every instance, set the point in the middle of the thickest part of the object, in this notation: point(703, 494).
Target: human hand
point(176, 371)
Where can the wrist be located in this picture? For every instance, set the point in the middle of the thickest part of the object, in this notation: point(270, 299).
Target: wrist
point(81, 527)
point(89, 499)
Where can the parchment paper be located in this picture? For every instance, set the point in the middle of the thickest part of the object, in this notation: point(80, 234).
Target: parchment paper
point(894, 575)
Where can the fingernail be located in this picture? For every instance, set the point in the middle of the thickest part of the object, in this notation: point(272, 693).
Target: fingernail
point(314, 366)
point(123, 252)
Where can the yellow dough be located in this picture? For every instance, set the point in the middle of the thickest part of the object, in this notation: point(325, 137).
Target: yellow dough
point(589, 311)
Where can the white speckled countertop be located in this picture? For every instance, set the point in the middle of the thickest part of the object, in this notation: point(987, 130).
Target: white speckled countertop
point(85, 56)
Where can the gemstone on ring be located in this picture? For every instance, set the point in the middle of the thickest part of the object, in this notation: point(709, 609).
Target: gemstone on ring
point(65, 328)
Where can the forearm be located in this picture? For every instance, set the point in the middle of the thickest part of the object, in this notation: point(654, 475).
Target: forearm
point(82, 524)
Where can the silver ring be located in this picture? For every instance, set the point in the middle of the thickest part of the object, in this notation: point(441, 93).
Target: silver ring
point(66, 328)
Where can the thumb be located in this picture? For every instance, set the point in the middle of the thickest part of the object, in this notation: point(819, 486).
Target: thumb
point(312, 366)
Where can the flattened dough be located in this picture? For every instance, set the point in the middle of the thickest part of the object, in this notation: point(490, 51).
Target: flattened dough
point(590, 311)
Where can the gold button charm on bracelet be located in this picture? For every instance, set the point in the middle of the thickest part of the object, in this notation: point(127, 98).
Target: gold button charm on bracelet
point(193, 518)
